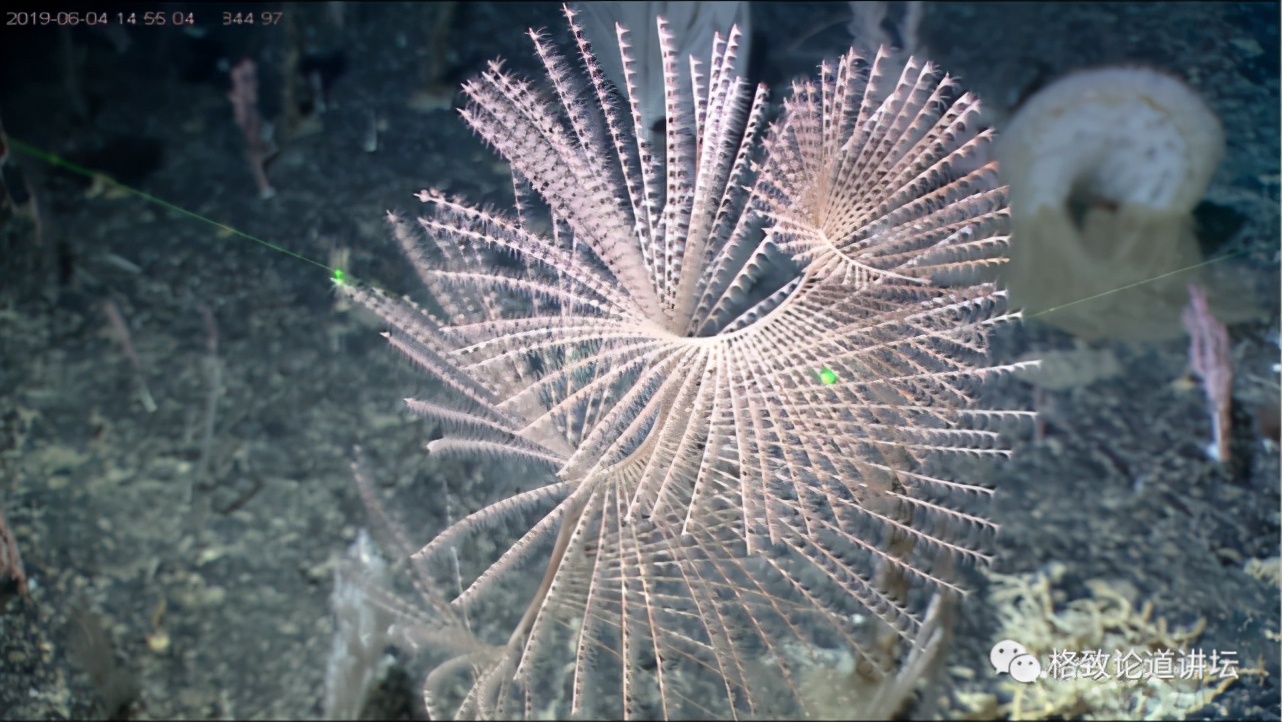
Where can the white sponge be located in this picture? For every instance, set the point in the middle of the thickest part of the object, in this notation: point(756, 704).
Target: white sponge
point(1125, 135)
point(1104, 167)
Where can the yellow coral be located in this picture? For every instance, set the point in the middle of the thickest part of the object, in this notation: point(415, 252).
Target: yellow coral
point(1107, 620)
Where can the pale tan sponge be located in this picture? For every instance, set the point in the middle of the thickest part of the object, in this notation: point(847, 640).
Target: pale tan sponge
point(1104, 168)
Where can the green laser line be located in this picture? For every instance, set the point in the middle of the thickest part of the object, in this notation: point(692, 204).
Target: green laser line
point(1140, 282)
point(337, 274)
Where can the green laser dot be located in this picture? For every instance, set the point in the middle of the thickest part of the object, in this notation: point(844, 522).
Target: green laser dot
point(827, 376)
point(340, 277)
